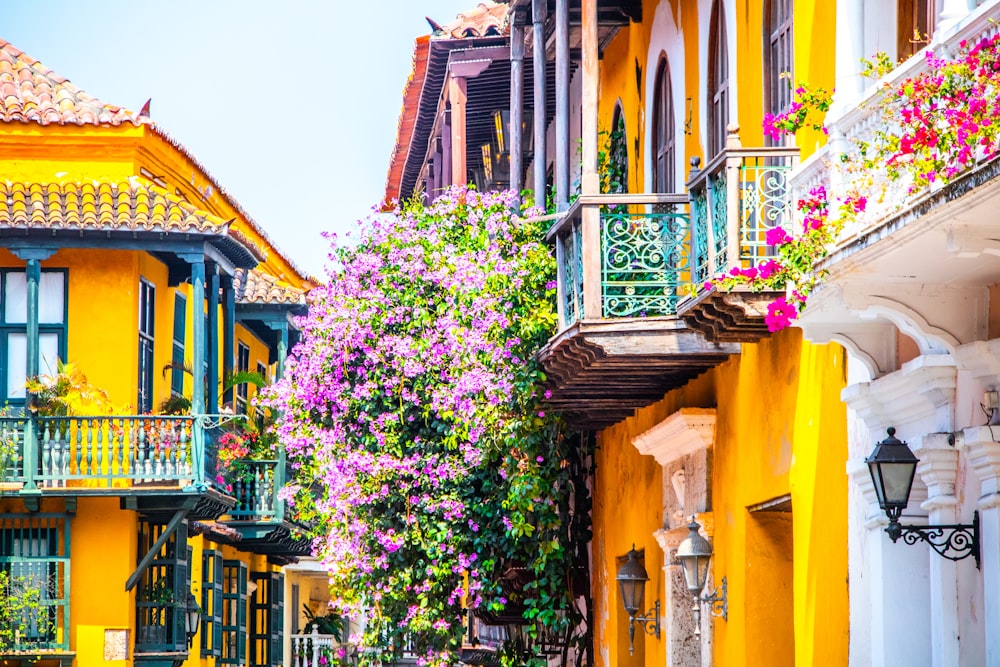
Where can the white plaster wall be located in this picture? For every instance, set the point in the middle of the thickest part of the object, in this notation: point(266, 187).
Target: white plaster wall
point(704, 31)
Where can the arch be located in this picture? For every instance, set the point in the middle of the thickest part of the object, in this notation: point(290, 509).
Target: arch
point(666, 41)
point(719, 72)
point(778, 56)
point(616, 178)
point(664, 130)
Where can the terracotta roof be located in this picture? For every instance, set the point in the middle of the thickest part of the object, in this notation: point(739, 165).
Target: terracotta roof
point(105, 205)
point(487, 19)
point(32, 93)
point(256, 287)
point(407, 118)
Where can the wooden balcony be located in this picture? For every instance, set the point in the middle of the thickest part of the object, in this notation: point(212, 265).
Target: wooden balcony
point(165, 460)
point(735, 200)
point(623, 264)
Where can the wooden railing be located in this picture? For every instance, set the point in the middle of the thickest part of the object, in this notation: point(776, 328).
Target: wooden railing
point(735, 199)
point(256, 490)
point(106, 452)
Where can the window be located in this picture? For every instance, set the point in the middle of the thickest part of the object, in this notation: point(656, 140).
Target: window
point(159, 621)
point(177, 358)
point(35, 557)
point(14, 328)
point(147, 306)
point(778, 81)
point(915, 21)
point(234, 613)
point(664, 139)
point(266, 618)
point(242, 389)
point(211, 603)
point(262, 371)
point(718, 82)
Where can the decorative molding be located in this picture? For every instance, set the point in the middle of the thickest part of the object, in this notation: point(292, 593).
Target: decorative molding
point(981, 359)
point(917, 398)
point(684, 432)
point(669, 540)
point(982, 451)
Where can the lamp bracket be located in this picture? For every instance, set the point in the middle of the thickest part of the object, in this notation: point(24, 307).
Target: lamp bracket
point(952, 541)
point(718, 601)
point(651, 621)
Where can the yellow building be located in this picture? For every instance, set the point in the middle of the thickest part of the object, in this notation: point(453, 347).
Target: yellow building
point(122, 257)
point(698, 410)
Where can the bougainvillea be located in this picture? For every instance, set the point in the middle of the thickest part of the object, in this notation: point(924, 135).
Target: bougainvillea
point(413, 412)
point(933, 127)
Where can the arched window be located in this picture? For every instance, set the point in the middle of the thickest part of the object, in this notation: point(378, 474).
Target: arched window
point(664, 140)
point(778, 81)
point(718, 81)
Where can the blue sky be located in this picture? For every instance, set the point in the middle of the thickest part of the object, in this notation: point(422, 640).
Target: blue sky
point(292, 106)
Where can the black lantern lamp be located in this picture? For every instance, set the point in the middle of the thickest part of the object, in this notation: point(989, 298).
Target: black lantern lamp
point(632, 580)
point(192, 618)
point(694, 553)
point(892, 466)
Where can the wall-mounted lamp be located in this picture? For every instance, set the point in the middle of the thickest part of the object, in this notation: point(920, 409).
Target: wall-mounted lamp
point(192, 618)
point(694, 553)
point(892, 466)
point(632, 580)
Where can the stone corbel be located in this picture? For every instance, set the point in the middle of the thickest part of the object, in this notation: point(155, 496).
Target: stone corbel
point(686, 431)
point(938, 468)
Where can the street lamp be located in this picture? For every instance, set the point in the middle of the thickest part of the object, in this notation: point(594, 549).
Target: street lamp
point(892, 466)
point(632, 580)
point(694, 553)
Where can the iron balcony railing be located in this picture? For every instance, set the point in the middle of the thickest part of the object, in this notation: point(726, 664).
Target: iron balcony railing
point(40, 453)
point(621, 256)
point(739, 195)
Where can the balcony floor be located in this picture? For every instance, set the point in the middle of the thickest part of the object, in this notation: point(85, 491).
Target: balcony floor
point(600, 372)
point(729, 317)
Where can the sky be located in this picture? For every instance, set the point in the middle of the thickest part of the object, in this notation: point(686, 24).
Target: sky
point(291, 106)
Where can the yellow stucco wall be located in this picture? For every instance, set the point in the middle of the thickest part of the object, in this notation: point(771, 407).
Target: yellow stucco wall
point(780, 430)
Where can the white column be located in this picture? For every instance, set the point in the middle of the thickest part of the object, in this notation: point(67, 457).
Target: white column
point(983, 454)
point(938, 469)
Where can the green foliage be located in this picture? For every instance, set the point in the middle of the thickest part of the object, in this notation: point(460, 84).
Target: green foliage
point(21, 611)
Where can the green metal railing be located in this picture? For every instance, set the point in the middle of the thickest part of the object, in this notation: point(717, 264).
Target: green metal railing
point(739, 195)
point(621, 256)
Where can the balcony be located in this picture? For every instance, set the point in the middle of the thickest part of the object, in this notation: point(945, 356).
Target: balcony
point(623, 263)
point(920, 258)
point(159, 458)
point(735, 200)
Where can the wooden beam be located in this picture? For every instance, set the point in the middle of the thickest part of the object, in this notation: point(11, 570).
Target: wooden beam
point(457, 96)
point(175, 521)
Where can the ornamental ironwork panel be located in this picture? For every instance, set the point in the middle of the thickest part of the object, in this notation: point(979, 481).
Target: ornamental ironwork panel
point(765, 203)
point(720, 226)
point(571, 272)
point(699, 233)
point(644, 256)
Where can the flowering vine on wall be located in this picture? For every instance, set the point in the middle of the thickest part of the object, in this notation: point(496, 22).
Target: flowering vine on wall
point(412, 411)
point(934, 127)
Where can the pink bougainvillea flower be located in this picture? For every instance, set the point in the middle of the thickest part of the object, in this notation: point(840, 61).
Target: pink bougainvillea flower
point(776, 236)
point(780, 314)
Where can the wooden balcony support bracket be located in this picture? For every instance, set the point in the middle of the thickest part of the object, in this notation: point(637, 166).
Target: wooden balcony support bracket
point(147, 560)
point(729, 317)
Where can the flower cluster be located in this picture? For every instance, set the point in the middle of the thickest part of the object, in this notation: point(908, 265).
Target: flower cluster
point(942, 121)
point(412, 413)
point(808, 108)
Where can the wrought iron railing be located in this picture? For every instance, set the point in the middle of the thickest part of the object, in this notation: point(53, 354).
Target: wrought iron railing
point(621, 256)
point(256, 488)
point(107, 452)
point(735, 200)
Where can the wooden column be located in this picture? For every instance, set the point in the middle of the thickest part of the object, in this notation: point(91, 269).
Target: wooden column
point(457, 97)
point(538, 11)
point(213, 342)
point(562, 105)
point(228, 332)
point(591, 215)
point(516, 101)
